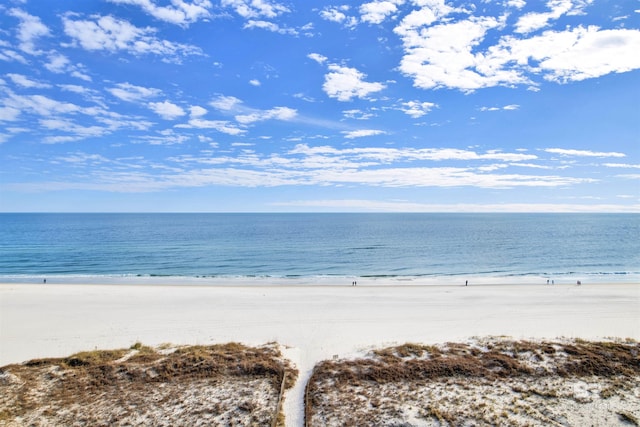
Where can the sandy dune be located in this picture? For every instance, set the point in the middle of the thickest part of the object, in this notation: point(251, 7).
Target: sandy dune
point(312, 323)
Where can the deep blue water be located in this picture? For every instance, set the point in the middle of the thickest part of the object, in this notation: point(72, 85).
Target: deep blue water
point(602, 247)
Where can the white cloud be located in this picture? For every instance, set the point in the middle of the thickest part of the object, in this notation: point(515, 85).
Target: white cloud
point(633, 176)
point(225, 103)
point(518, 4)
point(167, 110)
point(40, 105)
point(81, 76)
point(179, 13)
point(345, 83)
point(317, 57)
point(454, 54)
point(417, 109)
point(581, 53)
point(510, 107)
point(60, 64)
point(337, 14)
point(328, 165)
point(357, 114)
point(536, 20)
point(165, 137)
point(75, 89)
point(57, 63)
point(254, 82)
point(10, 55)
point(197, 111)
point(112, 34)
point(278, 113)
point(222, 126)
point(376, 12)
point(406, 206)
point(25, 82)
point(77, 131)
point(256, 8)
point(621, 165)
point(246, 115)
point(361, 133)
point(582, 153)
point(388, 155)
point(83, 158)
point(270, 26)
point(442, 56)
point(9, 114)
point(132, 93)
point(29, 30)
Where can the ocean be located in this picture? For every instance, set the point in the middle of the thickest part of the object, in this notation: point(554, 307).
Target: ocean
point(310, 248)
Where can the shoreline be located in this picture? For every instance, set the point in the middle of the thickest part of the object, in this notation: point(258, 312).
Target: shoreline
point(289, 281)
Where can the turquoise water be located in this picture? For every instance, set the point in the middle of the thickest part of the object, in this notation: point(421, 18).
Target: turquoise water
point(599, 247)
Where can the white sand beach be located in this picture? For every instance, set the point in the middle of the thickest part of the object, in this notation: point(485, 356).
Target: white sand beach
point(312, 323)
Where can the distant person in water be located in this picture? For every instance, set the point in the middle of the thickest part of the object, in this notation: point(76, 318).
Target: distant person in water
point(466, 283)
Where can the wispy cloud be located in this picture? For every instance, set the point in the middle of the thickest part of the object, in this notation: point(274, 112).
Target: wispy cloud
point(278, 113)
point(179, 12)
point(132, 93)
point(339, 14)
point(113, 34)
point(582, 153)
point(320, 59)
point(222, 126)
point(361, 133)
point(407, 206)
point(252, 9)
point(24, 81)
point(417, 109)
point(167, 110)
point(270, 26)
point(536, 20)
point(30, 30)
point(246, 115)
point(510, 107)
point(621, 165)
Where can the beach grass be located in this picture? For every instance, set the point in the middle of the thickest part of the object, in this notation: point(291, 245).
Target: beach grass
point(483, 381)
point(227, 384)
point(489, 381)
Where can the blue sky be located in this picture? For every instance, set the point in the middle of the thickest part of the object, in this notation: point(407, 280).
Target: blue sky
point(269, 105)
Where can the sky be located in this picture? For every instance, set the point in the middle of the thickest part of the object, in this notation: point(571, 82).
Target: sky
point(321, 106)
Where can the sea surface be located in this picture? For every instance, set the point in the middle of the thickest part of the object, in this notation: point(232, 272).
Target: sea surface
point(310, 248)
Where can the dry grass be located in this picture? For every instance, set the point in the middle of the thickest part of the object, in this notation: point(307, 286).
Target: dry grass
point(484, 382)
point(228, 384)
